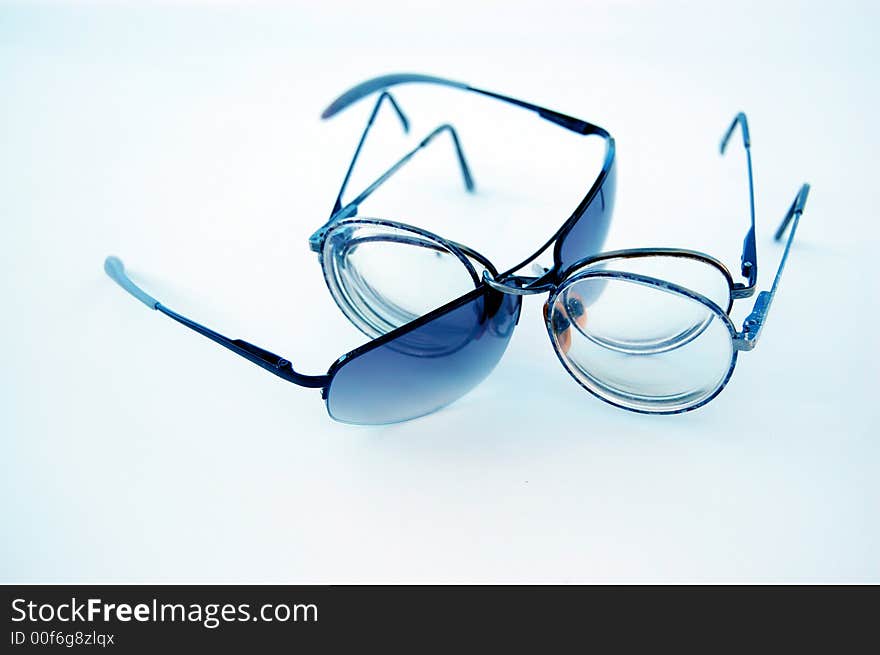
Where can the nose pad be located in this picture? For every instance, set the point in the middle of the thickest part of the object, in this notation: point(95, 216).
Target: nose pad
point(574, 305)
point(561, 326)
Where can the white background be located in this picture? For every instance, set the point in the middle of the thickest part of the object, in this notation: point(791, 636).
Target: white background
point(186, 138)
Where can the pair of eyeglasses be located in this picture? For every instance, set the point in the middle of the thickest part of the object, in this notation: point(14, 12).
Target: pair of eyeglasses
point(647, 329)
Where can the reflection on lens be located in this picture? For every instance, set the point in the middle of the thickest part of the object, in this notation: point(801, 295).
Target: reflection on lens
point(425, 368)
point(639, 345)
point(696, 273)
point(383, 276)
point(586, 236)
point(570, 311)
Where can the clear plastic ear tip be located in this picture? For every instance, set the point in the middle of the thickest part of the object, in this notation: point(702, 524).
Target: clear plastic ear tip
point(115, 269)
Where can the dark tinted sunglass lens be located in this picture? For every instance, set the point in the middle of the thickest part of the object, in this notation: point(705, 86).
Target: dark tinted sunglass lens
point(428, 367)
point(588, 233)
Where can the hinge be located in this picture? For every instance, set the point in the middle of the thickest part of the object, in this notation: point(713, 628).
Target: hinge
point(748, 337)
point(316, 241)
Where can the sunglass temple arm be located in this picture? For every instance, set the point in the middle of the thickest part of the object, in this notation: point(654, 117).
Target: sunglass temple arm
point(273, 363)
point(386, 81)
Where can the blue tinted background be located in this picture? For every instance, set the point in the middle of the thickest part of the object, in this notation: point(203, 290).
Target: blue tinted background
point(186, 139)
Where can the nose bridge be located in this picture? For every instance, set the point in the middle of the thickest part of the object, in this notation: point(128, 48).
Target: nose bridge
point(518, 285)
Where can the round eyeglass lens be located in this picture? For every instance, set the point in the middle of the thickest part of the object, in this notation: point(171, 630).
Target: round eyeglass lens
point(384, 276)
point(638, 344)
point(694, 273)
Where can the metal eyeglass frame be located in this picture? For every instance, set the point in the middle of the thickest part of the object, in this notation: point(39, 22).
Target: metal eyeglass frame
point(281, 366)
point(744, 339)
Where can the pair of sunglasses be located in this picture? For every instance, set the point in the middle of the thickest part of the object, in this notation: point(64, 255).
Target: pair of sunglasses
point(647, 330)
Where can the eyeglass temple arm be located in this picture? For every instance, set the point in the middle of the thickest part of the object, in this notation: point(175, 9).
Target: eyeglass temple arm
point(754, 322)
point(385, 81)
point(385, 95)
point(749, 258)
point(276, 365)
point(337, 205)
point(351, 208)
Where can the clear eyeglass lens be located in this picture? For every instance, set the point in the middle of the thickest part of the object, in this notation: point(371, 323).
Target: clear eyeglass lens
point(640, 346)
point(383, 277)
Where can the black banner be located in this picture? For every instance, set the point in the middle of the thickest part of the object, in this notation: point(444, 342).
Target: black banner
point(150, 619)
